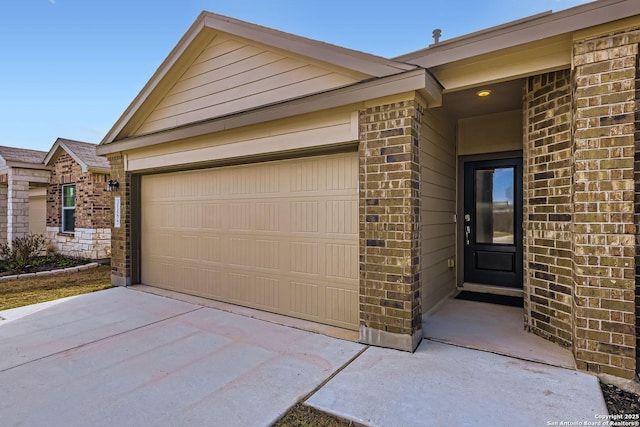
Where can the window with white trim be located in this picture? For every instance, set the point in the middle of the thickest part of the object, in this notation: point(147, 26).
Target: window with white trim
point(68, 208)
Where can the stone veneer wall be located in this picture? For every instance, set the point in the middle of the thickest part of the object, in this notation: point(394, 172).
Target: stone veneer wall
point(93, 243)
point(93, 211)
point(606, 98)
point(390, 301)
point(121, 267)
point(548, 207)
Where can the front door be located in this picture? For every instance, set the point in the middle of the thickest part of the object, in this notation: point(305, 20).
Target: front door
point(493, 222)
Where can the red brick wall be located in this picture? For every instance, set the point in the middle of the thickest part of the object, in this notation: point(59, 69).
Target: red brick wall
point(93, 203)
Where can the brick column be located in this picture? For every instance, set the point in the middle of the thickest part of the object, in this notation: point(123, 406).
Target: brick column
point(121, 236)
point(604, 230)
point(390, 305)
point(637, 216)
point(17, 206)
point(3, 213)
point(548, 207)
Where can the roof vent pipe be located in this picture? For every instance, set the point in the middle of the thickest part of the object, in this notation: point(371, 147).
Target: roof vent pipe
point(436, 35)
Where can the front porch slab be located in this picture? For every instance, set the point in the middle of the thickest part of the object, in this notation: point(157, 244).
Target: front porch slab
point(493, 328)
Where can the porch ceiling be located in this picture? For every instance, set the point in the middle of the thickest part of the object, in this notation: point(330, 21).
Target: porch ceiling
point(505, 96)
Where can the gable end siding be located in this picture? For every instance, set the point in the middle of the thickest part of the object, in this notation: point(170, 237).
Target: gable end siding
point(233, 75)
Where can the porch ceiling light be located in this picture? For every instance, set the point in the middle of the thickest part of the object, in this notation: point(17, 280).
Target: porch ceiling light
point(483, 93)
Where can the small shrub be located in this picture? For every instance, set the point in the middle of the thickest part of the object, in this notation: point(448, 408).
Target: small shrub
point(52, 249)
point(23, 250)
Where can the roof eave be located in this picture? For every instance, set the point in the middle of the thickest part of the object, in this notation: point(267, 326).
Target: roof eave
point(357, 61)
point(417, 80)
point(155, 79)
point(59, 145)
point(347, 58)
point(96, 169)
point(537, 27)
point(27, 165)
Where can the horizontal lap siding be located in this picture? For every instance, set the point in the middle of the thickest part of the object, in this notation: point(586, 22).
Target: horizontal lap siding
point(232, 75)
point(437, 208)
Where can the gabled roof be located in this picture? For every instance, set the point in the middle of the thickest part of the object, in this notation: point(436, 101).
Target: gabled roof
point(541, 26)
point(366, 63)
point(84, 153)
point(204, 29)
point(22, 157)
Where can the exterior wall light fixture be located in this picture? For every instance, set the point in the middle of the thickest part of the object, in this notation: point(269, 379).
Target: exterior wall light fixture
point(112, 185)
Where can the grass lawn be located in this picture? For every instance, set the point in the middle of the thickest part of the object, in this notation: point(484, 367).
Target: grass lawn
point(306, 416)
point(31, 290)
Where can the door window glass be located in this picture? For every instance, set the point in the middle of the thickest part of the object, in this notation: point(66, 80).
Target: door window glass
point(495, 212)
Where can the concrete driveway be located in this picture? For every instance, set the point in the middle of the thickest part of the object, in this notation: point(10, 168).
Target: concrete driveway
point(122, 357)
point(126, 358)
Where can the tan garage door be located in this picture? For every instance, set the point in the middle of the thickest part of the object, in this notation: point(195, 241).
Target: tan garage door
point(278, 236)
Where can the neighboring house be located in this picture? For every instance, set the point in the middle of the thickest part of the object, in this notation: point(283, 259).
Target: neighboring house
point(289, 175)
point(78, 214)
point(23, 181)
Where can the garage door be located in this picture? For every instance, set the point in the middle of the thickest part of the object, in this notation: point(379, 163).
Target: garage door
point(278, 236)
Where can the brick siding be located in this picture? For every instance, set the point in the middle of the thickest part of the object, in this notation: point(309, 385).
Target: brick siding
point(637, 213)
point(390, 225)
point(93, 208)
point(604, 229)
point(548, 209)
point(121, 236)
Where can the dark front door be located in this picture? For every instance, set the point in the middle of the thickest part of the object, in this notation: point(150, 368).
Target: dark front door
point(493, 222)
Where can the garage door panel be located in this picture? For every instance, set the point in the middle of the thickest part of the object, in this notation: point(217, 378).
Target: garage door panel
point(304, 217)
point(279, 236)
point(267, 292)
point(338, 264)
point(339, 303)
point(304, 299)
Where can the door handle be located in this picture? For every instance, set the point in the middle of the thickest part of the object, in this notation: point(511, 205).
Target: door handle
point(467, 232)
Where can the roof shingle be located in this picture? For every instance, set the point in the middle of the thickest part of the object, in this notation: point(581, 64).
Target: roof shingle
point(23, 155)
point(86, 152)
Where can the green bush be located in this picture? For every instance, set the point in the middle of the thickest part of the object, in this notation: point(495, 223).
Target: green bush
point(23, 250)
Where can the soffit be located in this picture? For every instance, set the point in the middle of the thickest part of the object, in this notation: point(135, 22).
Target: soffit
point(505, 96)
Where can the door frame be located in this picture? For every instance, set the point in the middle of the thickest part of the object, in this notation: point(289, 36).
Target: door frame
point(460, 218)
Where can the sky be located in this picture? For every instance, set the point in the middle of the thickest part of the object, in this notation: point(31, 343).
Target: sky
point(69, 68)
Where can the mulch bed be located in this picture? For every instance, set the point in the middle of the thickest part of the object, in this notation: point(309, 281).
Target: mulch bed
point(619, 401)
point(44, 263)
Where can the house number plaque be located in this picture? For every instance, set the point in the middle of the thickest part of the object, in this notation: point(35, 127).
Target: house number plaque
point(116, 212)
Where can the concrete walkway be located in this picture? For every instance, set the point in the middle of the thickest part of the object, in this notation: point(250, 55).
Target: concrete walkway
point(445, 385)
point(127, 358)
point(493, 328)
